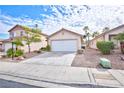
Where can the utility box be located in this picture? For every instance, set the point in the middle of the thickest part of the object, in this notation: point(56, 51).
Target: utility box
point(105, 63)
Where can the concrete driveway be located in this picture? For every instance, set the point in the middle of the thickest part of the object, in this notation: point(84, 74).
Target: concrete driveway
point(52, 58)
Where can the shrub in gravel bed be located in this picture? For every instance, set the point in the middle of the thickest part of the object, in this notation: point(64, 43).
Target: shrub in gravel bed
point(105, 46)
point(15, 53)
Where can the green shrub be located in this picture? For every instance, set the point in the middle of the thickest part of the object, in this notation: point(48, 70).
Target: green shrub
point(15, 53)
point(18, 53)
point(10, 52)
point(105, 46)
point(112, 44)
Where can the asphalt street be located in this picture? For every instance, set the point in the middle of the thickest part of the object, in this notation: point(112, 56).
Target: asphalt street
point(12, 84)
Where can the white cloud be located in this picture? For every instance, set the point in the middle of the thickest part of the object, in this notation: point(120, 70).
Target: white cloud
point(4, 28)
point(96, 17)
point(72, 17)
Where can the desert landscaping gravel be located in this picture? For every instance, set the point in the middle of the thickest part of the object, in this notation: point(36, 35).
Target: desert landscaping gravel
point(90, 58)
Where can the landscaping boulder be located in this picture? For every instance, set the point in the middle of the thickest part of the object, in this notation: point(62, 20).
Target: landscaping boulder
point(20, 58)
point(80, 51)
point(105, 63)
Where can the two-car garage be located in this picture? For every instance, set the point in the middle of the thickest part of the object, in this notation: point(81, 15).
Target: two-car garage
point(64, 45)
point(65, 40)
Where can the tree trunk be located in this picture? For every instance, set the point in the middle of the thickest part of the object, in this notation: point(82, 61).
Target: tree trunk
point(16, 48)
point(29, 48)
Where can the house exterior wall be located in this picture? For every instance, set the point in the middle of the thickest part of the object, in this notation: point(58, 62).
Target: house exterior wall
point(7, 45)
point(17, 32)
point(1, 47)
point(65, 35)
point(35, 45)
point(92, 44)
point(106, 37)
point(114, 32)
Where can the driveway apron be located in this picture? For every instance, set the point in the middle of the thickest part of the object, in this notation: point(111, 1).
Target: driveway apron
point(52, 58)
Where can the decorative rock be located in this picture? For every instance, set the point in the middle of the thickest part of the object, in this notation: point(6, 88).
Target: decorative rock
point(80, 51)
point(20, 58)
point(105, 63)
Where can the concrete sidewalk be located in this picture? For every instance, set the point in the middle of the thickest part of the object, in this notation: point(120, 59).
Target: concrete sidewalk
point(56, 76)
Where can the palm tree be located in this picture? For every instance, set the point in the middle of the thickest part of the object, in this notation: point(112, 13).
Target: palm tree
point(95, 34)
point(105, 29)
point(33, 35)
point(87, 34)
point(18, 42)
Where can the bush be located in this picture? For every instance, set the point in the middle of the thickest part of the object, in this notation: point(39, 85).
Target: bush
point(105, 46)
point(18, 53)
point(10, 52)
point(15, 53)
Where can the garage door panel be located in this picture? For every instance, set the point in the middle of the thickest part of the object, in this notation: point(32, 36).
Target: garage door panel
point(64, 45)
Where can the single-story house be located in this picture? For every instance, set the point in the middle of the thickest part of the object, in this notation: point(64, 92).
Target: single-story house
point(65, 40)
point(17, 32)
point(108, 36)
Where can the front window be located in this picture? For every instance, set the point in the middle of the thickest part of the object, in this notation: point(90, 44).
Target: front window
point(11, 35)
point(21, 33)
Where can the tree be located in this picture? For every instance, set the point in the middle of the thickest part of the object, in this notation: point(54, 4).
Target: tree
point(17, 42)
point(32, 35)
point(120, 37)
point(95, 34)
point(87, 34)
point(105, 29)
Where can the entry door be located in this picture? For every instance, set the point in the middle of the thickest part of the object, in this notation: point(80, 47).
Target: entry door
point(64, 45)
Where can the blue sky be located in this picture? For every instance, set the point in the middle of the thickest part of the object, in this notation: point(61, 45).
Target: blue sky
point(51, 18)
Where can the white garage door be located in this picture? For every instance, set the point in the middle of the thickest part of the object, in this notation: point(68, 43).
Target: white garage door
point(64, 45)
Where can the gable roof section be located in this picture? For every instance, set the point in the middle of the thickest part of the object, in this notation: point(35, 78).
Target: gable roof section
point(65, 30)
point(15, 27)
point(121, 26)
point(23, 29)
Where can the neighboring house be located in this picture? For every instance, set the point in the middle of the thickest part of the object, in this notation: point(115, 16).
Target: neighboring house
point(17, 32)
point(65, 40)
point(1, 46)
point(108, 36)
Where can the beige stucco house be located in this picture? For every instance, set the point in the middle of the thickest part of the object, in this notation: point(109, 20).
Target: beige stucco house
point(65, 40)
point(17, 32)
point(1, 49)
point(108, 36)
